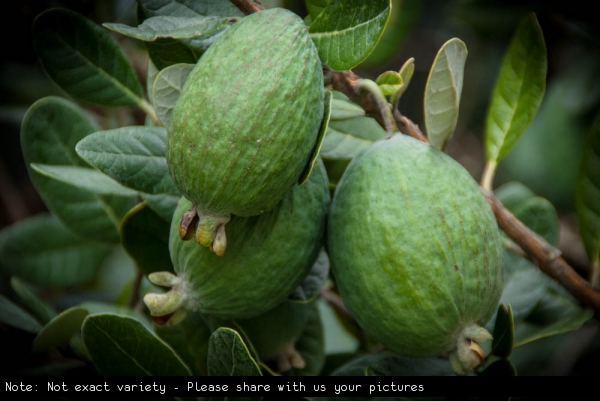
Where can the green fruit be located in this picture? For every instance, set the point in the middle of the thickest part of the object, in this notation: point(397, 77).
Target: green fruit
point(275, 333)
point(247, 122)
point(270, 256)
point(415, 250)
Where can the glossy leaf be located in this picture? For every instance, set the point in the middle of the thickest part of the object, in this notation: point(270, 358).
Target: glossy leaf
point(346, 31)
point(397, 365)
point(51, 128)
point(122, 346)
point(526, 333)
point(15, 316)
point(145, 236)
point(133, 156)
point(344, 110)
point(519, 90)
point(166, 26)
point(504, 332)
point(443, 91)
point(38, 308)
point(315, 7)
point(588, 195)
point(190, 340)
point(229, 356)
point(345, 139)
point(523, 290)
point(61, 259)
point(59, 331)
point(96, 308)
point(85, 178)
point(163, 204)
point(389, 82)
point(315, 280)
point(311, 345)
point(84, 60)
point(167, 88)
point(540, 216)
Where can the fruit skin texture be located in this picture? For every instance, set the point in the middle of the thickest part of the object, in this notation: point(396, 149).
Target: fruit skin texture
point(247, 120)
point(415, 251)
point(269, 257)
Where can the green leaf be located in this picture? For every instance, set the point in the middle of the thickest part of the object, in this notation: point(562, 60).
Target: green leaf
point(96, 308)
point(189, 8)
point(344, 110)
point(540, 216)
point(512, 194)
point(152, 72)
point(122, 346)
point(59, 331)
point(167, 88)
point(345, 139)
point(84, 60)
point(587, 200)
point(190, 340)
point(166, 26)
point(15, 316)
point(397, 365)
point(346, 31)
point(519, 90)
point(504, 332)
point(41, 250)
point(310, 287)
point(315, 7)
point(526, 333)
point(442, 92)
point(229, 356)
point(40, 309)
point(134, 156)
point(311, 345)
point(163, 204)
point(389, 82)
point(358, 366)
point(51, 128)
point(523, 290)
point(145, 236)
point(85, 178)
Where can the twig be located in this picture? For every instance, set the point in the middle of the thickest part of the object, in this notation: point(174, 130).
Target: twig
point(548, 257)
point(407, 127)
point(135, 289)
point(336, 302)
point(247, 6)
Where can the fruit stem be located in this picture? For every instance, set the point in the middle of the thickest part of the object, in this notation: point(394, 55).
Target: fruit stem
point(149, 110)
point(488, 175)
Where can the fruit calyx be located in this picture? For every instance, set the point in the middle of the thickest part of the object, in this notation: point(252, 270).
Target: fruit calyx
point(169, 308)
point(468, 355)
point(208, 230)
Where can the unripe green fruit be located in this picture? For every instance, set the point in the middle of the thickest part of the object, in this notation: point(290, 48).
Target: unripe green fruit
point(246, 123)
point(270, 256)
point(415, 250)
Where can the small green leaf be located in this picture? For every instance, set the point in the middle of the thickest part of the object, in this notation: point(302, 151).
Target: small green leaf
point(189, 8)
point(167, 26)
point(346, 31)
point(442, 92)
point(526, 333)
point(167, 88)
point(42, 251)
point(85, 178)
point(190, 340)
point(122, 346)
point(540, 216)
point(345, 139)
point(51, 128)
point(504, 332)
point(310, 287)
point(389, 82)
point(163, 204)
point(512, 194)
point(344, 110)
point(95, 308)
point(500, 368)
point(152, 72)
point(587, 200)
point(229, 356)
point(145, 236)
point(40, 309)
point(134, 156)
point(15, 316)
point(84, 60)
point(311, 345)
point(397, 365)
point(315, 7)
point(59, 331)
point(519, 90)
point(523, 290)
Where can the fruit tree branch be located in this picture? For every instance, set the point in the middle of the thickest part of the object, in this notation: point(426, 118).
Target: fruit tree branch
point(548, 258)
point(247, 6)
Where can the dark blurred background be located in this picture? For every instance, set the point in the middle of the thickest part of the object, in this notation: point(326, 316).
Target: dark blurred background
point(546, 158)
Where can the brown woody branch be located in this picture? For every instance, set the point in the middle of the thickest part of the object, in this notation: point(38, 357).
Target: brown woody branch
point(247, 6)
point(548, 258)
